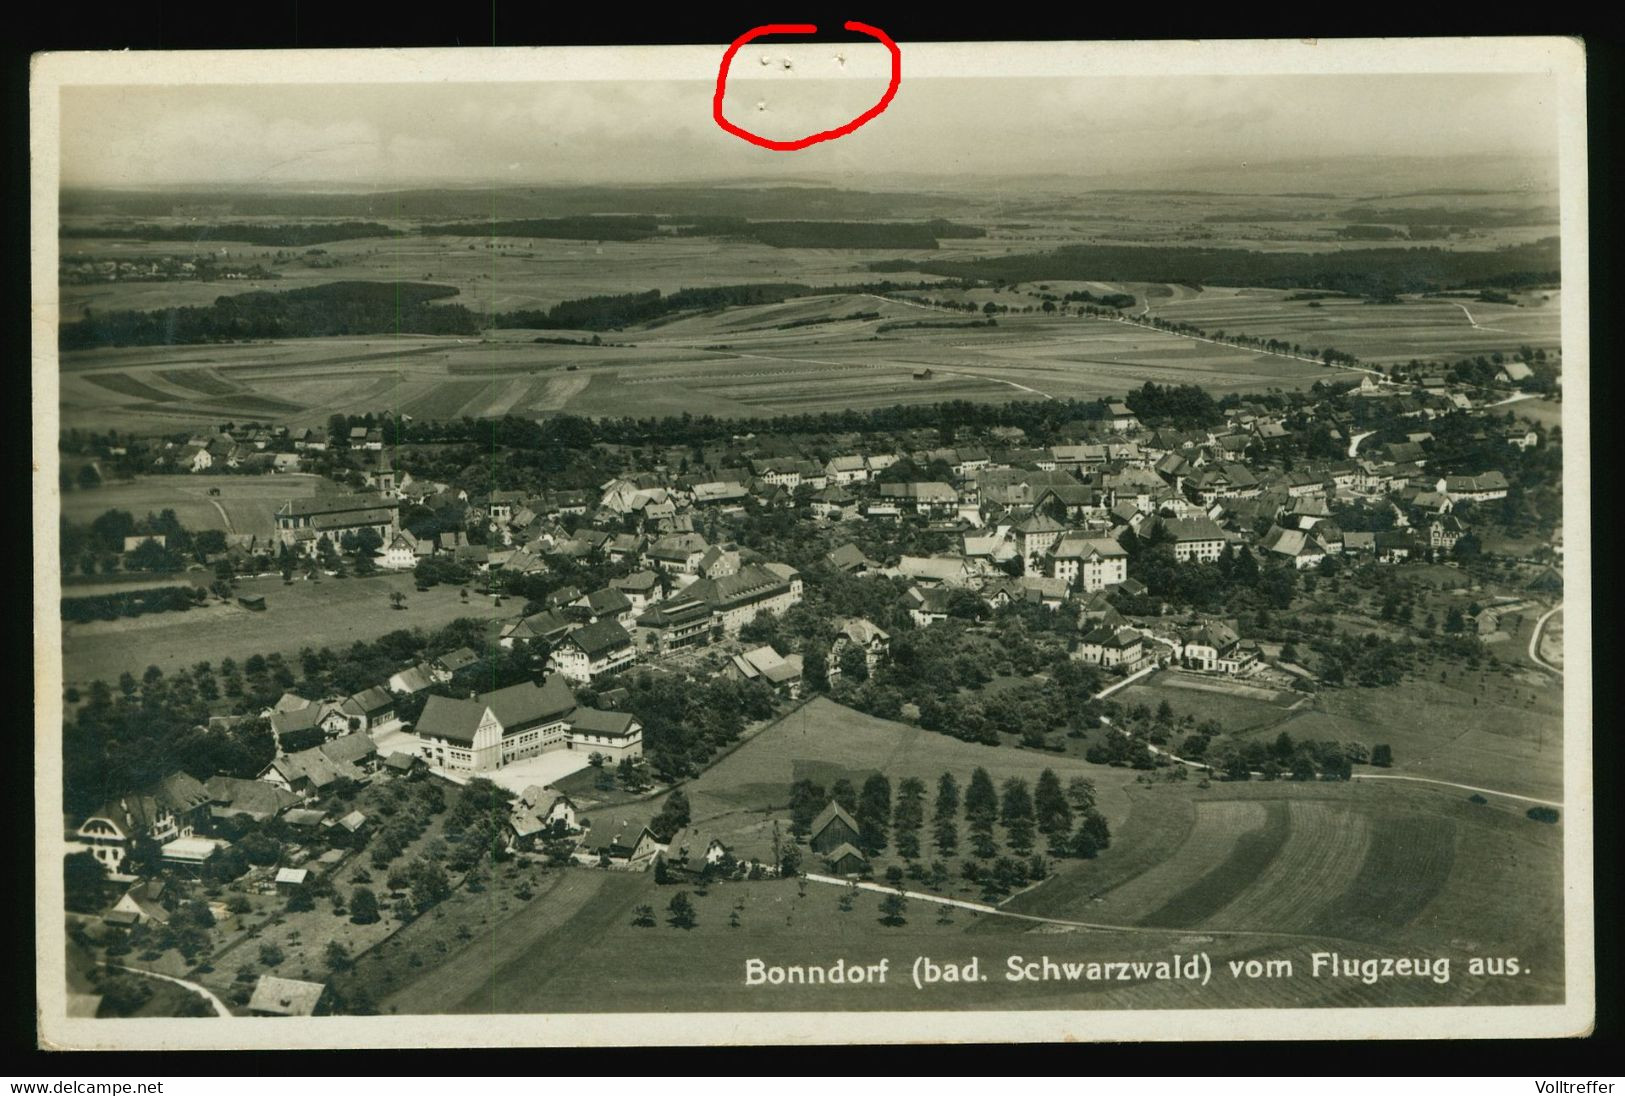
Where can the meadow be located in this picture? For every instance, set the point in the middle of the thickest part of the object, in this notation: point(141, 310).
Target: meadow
point(245, 504)
point(330, 613)
point(808, 354)
point(1234, 871)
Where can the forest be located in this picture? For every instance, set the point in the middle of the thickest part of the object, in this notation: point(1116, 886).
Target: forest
point(294, 235)
point(1366, 271)
point(337, 308)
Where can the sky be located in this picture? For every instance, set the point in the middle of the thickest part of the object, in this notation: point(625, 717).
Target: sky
point(632, 132)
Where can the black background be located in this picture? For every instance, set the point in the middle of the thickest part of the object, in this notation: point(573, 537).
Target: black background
point(266, 24)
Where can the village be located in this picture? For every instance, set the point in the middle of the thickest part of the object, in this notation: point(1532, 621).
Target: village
point(1107, 535)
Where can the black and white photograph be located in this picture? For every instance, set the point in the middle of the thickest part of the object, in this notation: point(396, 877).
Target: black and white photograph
point(813, 540)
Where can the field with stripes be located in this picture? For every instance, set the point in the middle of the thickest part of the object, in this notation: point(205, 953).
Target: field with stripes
point(831, 352)
point(1239, 872)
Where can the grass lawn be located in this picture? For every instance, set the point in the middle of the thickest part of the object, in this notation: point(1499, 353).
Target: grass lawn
point(1202, 699)
point(330, 613)
point(1479, 728)
point(245, 504)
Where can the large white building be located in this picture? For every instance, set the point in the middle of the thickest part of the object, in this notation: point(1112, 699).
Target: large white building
point(736, 599)
point(498, 728)
point(1089, 563)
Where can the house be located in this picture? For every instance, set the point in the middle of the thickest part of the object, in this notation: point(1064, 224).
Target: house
point(1443, 532)
point(845, 470)
point(1195, 538)
point(850, 559)
point(679, 553)
point(832, 828)
point(834, 503)
point(1512, 372)
point(631, 850)
point(1303, 548)
point(845, 859)
point(607, 604)
point(450, 664)
point(368, 709)
point(538, 811)
point(945, 570)
point(1395, 547)
point(142, 904)
point(294, 720)
point(355, 749)
point(1088, 563)
point(616, 735)
point(1110, 647)
point(860, 635)
point(413, 679)
point(737, 599)
point(926, 605)
point(230, 797)
point(642, 589)
point(274, 996)
point(766, 664)
point(1035, 535)
point(1480, 488)
point(589, 652)
point(497, 727)
point(1120, 417)
point(676, 622)
point(308, 773)
point(403, 551)
point(1216, 647)
point(165, 811)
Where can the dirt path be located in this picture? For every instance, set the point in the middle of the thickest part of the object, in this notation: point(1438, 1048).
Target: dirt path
point(1534, 640)
point(220, 1008)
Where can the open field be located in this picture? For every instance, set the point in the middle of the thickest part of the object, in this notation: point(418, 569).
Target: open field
point(1360, 870)
point(824, 741)
point(1510, 740)
point(246, 504)
point(1235, 709)
point(1415, 328)
point(738, 362)
point(330, 613)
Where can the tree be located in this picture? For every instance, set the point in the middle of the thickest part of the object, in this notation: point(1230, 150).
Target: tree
point(1016, 812)
point(981, 811)
point(1053, 812)
point(807, 799)
point(874, 813)
point(681, 911)
point(1080, 793)
point(123, 994)
point(363, 906)
point(909, 816)
point(945, 829)
point(673, 816)
point(892, 909)
point(790, 861)
point(270, 954)
point(845, 794)
point(336, 956)
point(397, 600)
point(644, 917)
point(1093, 835)
point(85, 883)
point(1382, 755)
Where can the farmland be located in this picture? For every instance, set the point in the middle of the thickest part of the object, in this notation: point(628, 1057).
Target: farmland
point(331, 612)
point(245, 504)
point(742, 361)
point(1415, 327)
point(1241, 871)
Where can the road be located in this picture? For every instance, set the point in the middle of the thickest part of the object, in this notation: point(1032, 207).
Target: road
point(1534, 640)
point(220, 1008)
point(1354, 442)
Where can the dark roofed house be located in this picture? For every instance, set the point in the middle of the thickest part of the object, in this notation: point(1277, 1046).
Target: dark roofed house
point(832, 828)
point(596, 649)
point(845, 859)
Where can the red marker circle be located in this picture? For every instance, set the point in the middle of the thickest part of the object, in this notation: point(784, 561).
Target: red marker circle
point(829, 134)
